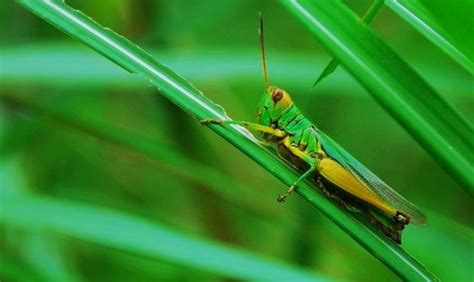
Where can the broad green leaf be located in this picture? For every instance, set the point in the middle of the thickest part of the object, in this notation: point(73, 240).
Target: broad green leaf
point(431, 120)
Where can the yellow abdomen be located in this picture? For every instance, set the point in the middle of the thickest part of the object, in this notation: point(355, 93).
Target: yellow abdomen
point(343, 178)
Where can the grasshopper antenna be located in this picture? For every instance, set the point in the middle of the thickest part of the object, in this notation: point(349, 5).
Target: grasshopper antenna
point(262, 51)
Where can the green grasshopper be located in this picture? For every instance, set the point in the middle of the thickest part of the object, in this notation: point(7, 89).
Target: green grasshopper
point(336, 172)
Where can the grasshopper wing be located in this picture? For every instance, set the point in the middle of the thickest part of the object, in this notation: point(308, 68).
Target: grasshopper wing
point(375, 184)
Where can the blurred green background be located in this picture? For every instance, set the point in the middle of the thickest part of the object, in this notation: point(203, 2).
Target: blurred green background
point(77, 131)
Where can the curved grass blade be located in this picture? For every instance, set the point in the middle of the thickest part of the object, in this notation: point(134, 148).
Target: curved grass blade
point(183, 94)
point(416, 14)
point(367, 18)
point(143, 237)
point(433, 122)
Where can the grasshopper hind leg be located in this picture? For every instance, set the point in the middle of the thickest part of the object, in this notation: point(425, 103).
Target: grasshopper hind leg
point(402, 218)
point(393, 230)
point(334, 196)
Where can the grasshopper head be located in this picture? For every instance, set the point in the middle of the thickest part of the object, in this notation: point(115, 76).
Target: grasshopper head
point(275, 100)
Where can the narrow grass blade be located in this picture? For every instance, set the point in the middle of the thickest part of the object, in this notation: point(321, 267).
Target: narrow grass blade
point(417, 15)
point(192, 101)
point(433, 122)
point(367, 18)
point(143, 237)
point(330, 68)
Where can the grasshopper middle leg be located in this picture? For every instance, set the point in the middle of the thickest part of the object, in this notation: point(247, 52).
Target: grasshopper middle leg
point(282, 198)
point(313, 163)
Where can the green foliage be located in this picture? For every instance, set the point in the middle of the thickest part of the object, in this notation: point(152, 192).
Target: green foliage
point(78, 134)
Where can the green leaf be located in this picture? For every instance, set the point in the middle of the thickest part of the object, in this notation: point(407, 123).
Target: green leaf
point(191, 100)
point(330, 68)
point(143, 237)
point(421, 17)
point(432, 121)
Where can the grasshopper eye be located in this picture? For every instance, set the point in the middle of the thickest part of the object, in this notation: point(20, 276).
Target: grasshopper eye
point(277, 94)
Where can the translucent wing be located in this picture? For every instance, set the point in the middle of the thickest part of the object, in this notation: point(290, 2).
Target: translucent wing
point(380, 188)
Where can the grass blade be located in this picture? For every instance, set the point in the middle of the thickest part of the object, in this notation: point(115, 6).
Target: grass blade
point(416, 14)
point(193, 102)
point(330, 68)
point(434, 123)
point(367, 18)
point(143, 237)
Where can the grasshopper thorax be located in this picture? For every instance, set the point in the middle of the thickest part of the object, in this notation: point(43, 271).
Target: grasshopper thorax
point(273, 103)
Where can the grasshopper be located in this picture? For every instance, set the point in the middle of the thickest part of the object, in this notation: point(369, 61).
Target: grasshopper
point(337, 173)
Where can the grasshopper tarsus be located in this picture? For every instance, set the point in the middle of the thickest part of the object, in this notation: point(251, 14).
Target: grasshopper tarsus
point(283, 197)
